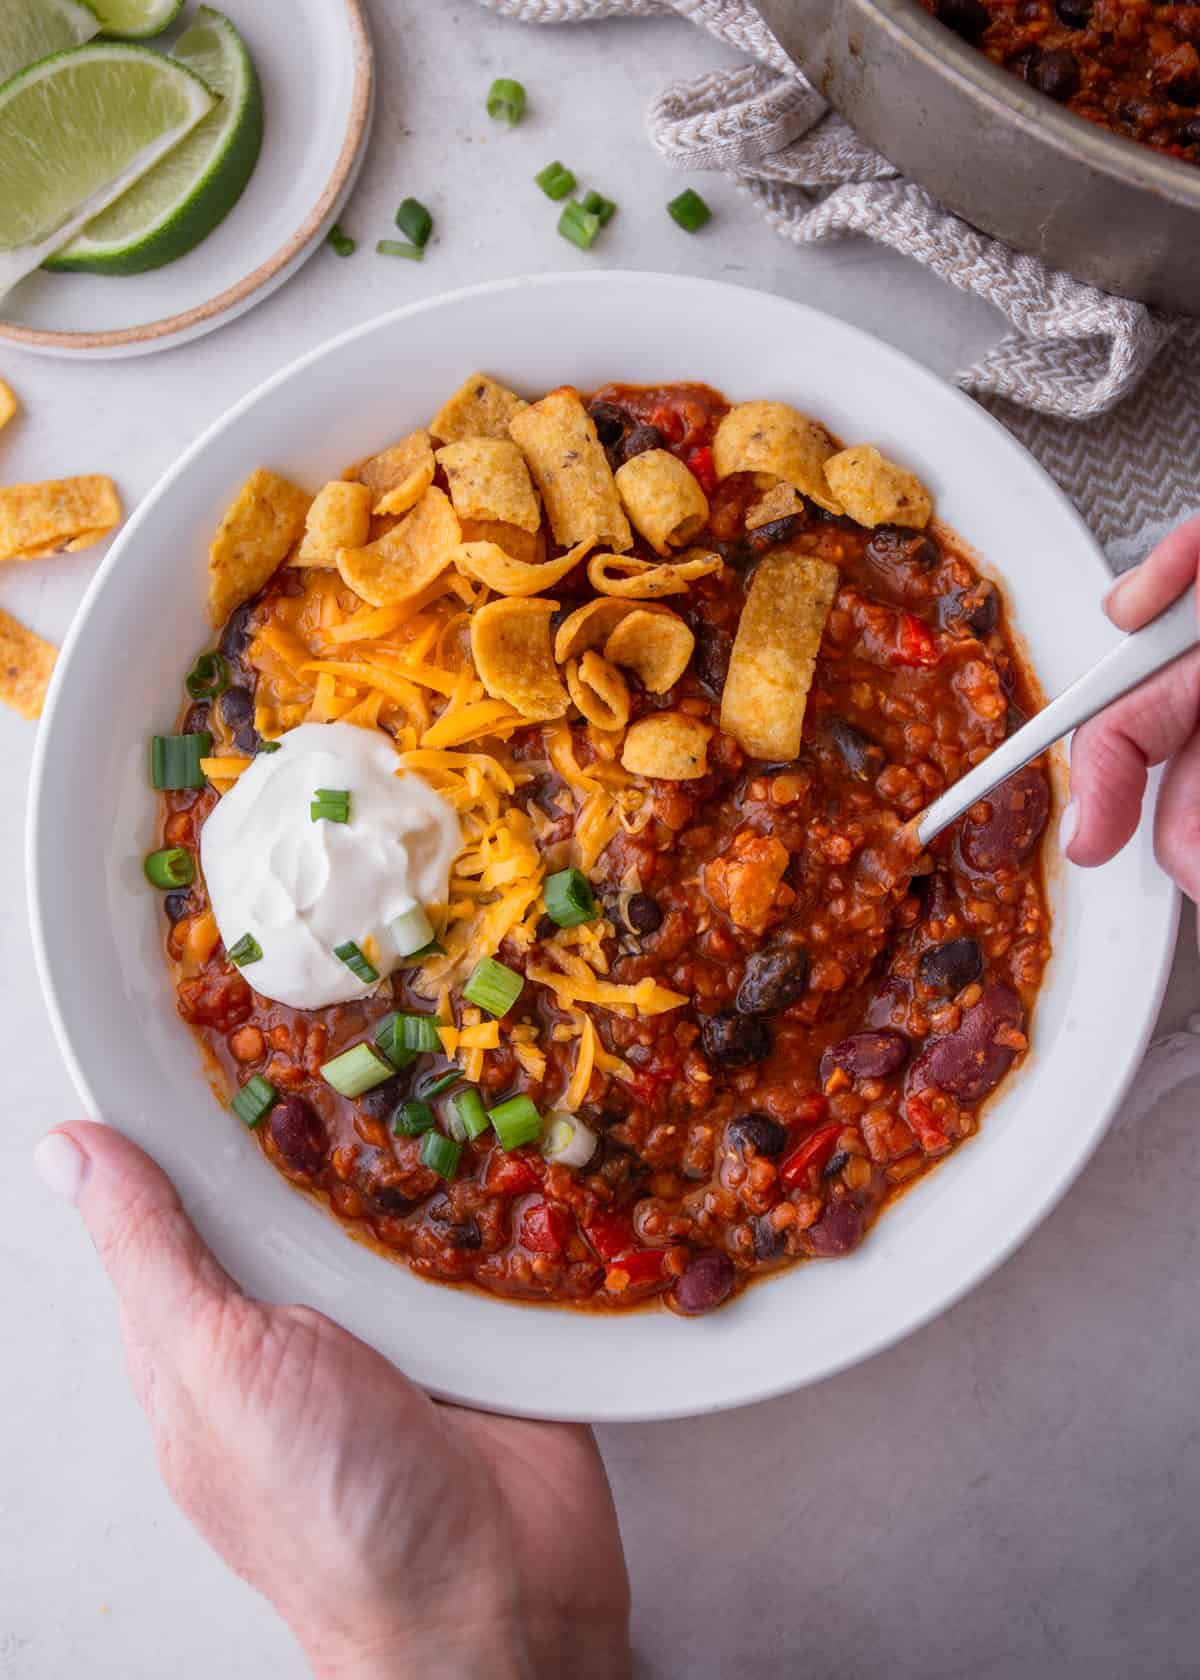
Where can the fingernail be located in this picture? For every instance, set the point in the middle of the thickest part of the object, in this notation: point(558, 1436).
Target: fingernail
point(1115, 593)
point(1068, 826)
point(61, 1165)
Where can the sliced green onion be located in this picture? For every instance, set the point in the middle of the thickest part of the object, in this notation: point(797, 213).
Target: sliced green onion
point(467, 1108)
point(246, 951)
point(578, 225)
point(556, 180)
point(356, 1071)
point(493, 986)
point(397, 248)
point(172, 867)
point(440, 1153)
point(256, 1098)
point(352, 956)
point(690, 211)
point(413, 1118)
point(597, 205)
point(411, 931)
point(269, 746)
point(506, 100)
point(419, 1033)
point(569, 1143)
point(341, 241)
point(432, 1085)
point(175, 760)
point(414, 221)
point(515, 1122)
point(208, 677)
point(389, 1038)
point(330, 805)
point(452, 1124)
point(435, 948)
point(570, 899)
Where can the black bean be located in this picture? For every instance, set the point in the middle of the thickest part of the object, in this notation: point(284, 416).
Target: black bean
point(863, 757)
point(643, 914)
point(769, 1243)
point(390, 1199)
point(737, 554)
point(639, 440)
point(835, 1164)
point(710, 660)
point(377, 1104)
point(733, 1041)
point(246, 740)
point(773, 979)
point(1054, 71)
point(1185, 89)
point(610, 422)
point(967, 18)
point(1014, 718)
point(948, 968)
point(982, 608)
point(1189, 132)
point(896, 545)
point(235, 638)
point(778, 531)
point(547, 927)
point(873, 1054)
point(766, 1136)
point(237, 707)
point(707, 1282)
point(1076, 14)
point(177, 905)
point(298, 1134)
point(464, 1234)
point(195, 720)
point(840, 1229)
point(1007, 836)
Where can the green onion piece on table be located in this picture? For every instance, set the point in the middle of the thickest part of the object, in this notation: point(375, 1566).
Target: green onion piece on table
point(246, 951)
point(556, 180)
point(175, 760)
point(506, 100)
point(352, 956)
point(597, 205)
point(256, 1098)
point(440, 1153)
point(432, 1085)
point(341, 241)
point(208, 677)
point(356, 1071)
point(493, 986)
point(411, 931)
point(467, 1108)
point(171, 867)
point(578, 225)
point(397, 248)
point(569, 898)
point(690, 211)
point(515, 1122)
point(330, 805)
point(412, 1118)
point(389, 1038)
point(414, 221)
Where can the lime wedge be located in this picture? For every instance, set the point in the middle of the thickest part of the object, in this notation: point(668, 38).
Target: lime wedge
point(33, 29)
point(135, 20)
point(76, 130)
point(182, 199)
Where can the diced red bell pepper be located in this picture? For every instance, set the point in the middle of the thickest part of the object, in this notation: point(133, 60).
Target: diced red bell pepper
point(545, 1229)
point(701, 463)
point(670, 423)
point(634, 1271)
point(610, 1233)
point(802, 1167)
point(927, 1124)
point(512, 1175)
point(915, 643)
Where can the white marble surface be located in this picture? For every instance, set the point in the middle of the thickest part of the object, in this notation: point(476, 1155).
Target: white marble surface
point(1014, 1492)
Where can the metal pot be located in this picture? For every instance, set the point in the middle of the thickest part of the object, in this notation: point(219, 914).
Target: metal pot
point(1003, 156)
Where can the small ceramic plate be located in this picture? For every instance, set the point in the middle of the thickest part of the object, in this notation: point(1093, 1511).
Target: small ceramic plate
point(318, 83)
point(98, 930)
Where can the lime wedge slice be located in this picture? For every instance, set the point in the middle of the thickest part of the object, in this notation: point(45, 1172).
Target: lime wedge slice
point(33, 29)
point(181, 200)
point(76, 130)
point(135, 20)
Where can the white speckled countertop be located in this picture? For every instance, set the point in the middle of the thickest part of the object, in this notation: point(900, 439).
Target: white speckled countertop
point(1013, 1493)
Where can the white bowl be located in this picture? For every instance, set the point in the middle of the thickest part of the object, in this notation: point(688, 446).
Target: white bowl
point(98, 931)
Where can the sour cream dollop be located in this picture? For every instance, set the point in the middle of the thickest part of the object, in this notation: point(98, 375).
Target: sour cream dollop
point(302, 887)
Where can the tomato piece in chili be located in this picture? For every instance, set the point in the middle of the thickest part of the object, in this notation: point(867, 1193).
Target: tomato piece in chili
point(545, 1229)
point(801, 1169)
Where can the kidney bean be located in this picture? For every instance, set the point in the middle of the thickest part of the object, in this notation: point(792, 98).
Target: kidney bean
point(948, 968)
point(863, 757)
point(298, 1135)
point(967, 18)
point(734, 1041)
point(969, 1063)
point(867, 1055)
point(767, 1136)
point(839, 1230)
point(639, 440)
point(937, 896)
point(707, 1282)
point(896, 545)
point(773, 979)
point(1018, 811)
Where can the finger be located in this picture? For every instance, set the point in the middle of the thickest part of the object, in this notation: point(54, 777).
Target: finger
point(1177, 819)
point(159, 1267)
point(1163, 575)
point(1111, 754)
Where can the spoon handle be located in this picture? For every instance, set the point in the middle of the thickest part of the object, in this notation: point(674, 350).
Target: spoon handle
point(1137, 656)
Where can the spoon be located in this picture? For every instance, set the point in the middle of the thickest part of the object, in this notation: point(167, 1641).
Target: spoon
point(1137, 656)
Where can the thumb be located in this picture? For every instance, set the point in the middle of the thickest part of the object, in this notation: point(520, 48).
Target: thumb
point(161, 1270)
